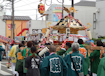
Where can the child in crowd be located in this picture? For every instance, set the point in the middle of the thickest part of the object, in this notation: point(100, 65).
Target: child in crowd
point(32, 64)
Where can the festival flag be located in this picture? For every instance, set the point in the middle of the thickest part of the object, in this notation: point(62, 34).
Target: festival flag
point(9, 26)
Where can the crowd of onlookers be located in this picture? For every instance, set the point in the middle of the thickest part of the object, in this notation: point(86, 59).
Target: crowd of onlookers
point(72, 60)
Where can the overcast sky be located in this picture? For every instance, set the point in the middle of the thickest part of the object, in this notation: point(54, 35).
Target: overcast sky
point(28, 7)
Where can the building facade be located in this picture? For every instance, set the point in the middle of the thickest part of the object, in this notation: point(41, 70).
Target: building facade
point(20, 25)
point(99, 19)
point(2, 27)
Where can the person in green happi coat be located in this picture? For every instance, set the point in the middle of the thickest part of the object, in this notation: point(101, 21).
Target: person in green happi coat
point(101, 68)
point(78, 60)
point(95, 58)
point(83, 51)
point(67, 48)
point(53, 65)
point(25, 53)
point(19, 61)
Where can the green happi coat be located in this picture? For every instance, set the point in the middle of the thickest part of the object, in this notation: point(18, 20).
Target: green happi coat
point(19, 66)
point(63, 52)
point(95, 60)
point(86, 62)
point(68, 51)
point(24, 56)
point(101, 68)
point(78, 60)
point(53, 65)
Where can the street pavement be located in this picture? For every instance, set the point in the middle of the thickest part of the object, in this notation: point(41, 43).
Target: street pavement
point(4, 70)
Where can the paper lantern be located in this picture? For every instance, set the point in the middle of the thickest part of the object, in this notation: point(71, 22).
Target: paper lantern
point(43, 51)
point(41, 8)
point(89, 34)
point(47, 33)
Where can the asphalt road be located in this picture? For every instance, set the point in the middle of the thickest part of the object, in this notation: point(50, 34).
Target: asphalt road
point(4, 70)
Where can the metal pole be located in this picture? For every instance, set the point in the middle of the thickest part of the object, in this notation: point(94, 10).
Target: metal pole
point(72, 4)
point(13, 24)
point(62, 7)
point(45, 16)
point(36, 14)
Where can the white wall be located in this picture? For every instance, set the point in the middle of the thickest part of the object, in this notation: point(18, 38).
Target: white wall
point(2, 27)
point(100, 24)
point(37, 24)
point(85, 15)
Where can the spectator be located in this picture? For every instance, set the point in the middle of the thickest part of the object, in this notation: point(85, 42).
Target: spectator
point(84, 52)
point(12, 57)
point(7, 50)
point(3, 52)
point(32, 64)
point(1, 49)
point(53, 65)
point(77, 59)
point(95, 59)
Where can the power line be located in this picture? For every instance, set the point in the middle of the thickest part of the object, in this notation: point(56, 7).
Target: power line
point(17, 1)
point(26, 4)
point(26, 10)
point(47, 4)
point(59, 1)
point(29, 5)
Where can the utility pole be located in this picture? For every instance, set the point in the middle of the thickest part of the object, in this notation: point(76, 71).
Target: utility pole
point(13, 24)
point(36, 14)
point(72, 4)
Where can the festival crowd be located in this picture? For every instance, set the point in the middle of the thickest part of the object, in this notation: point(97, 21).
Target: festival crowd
point(30, 58)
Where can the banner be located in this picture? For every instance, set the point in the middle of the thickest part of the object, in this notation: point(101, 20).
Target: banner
point(6, 39)
point(33, 37)
point(9, 26)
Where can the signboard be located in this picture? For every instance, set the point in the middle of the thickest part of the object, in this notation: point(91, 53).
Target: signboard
point(32, 37)
point(6, 39)
point(36, 31)
point(57, 17)
point(19, 38)
point(57, 9)
point(57, 13)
